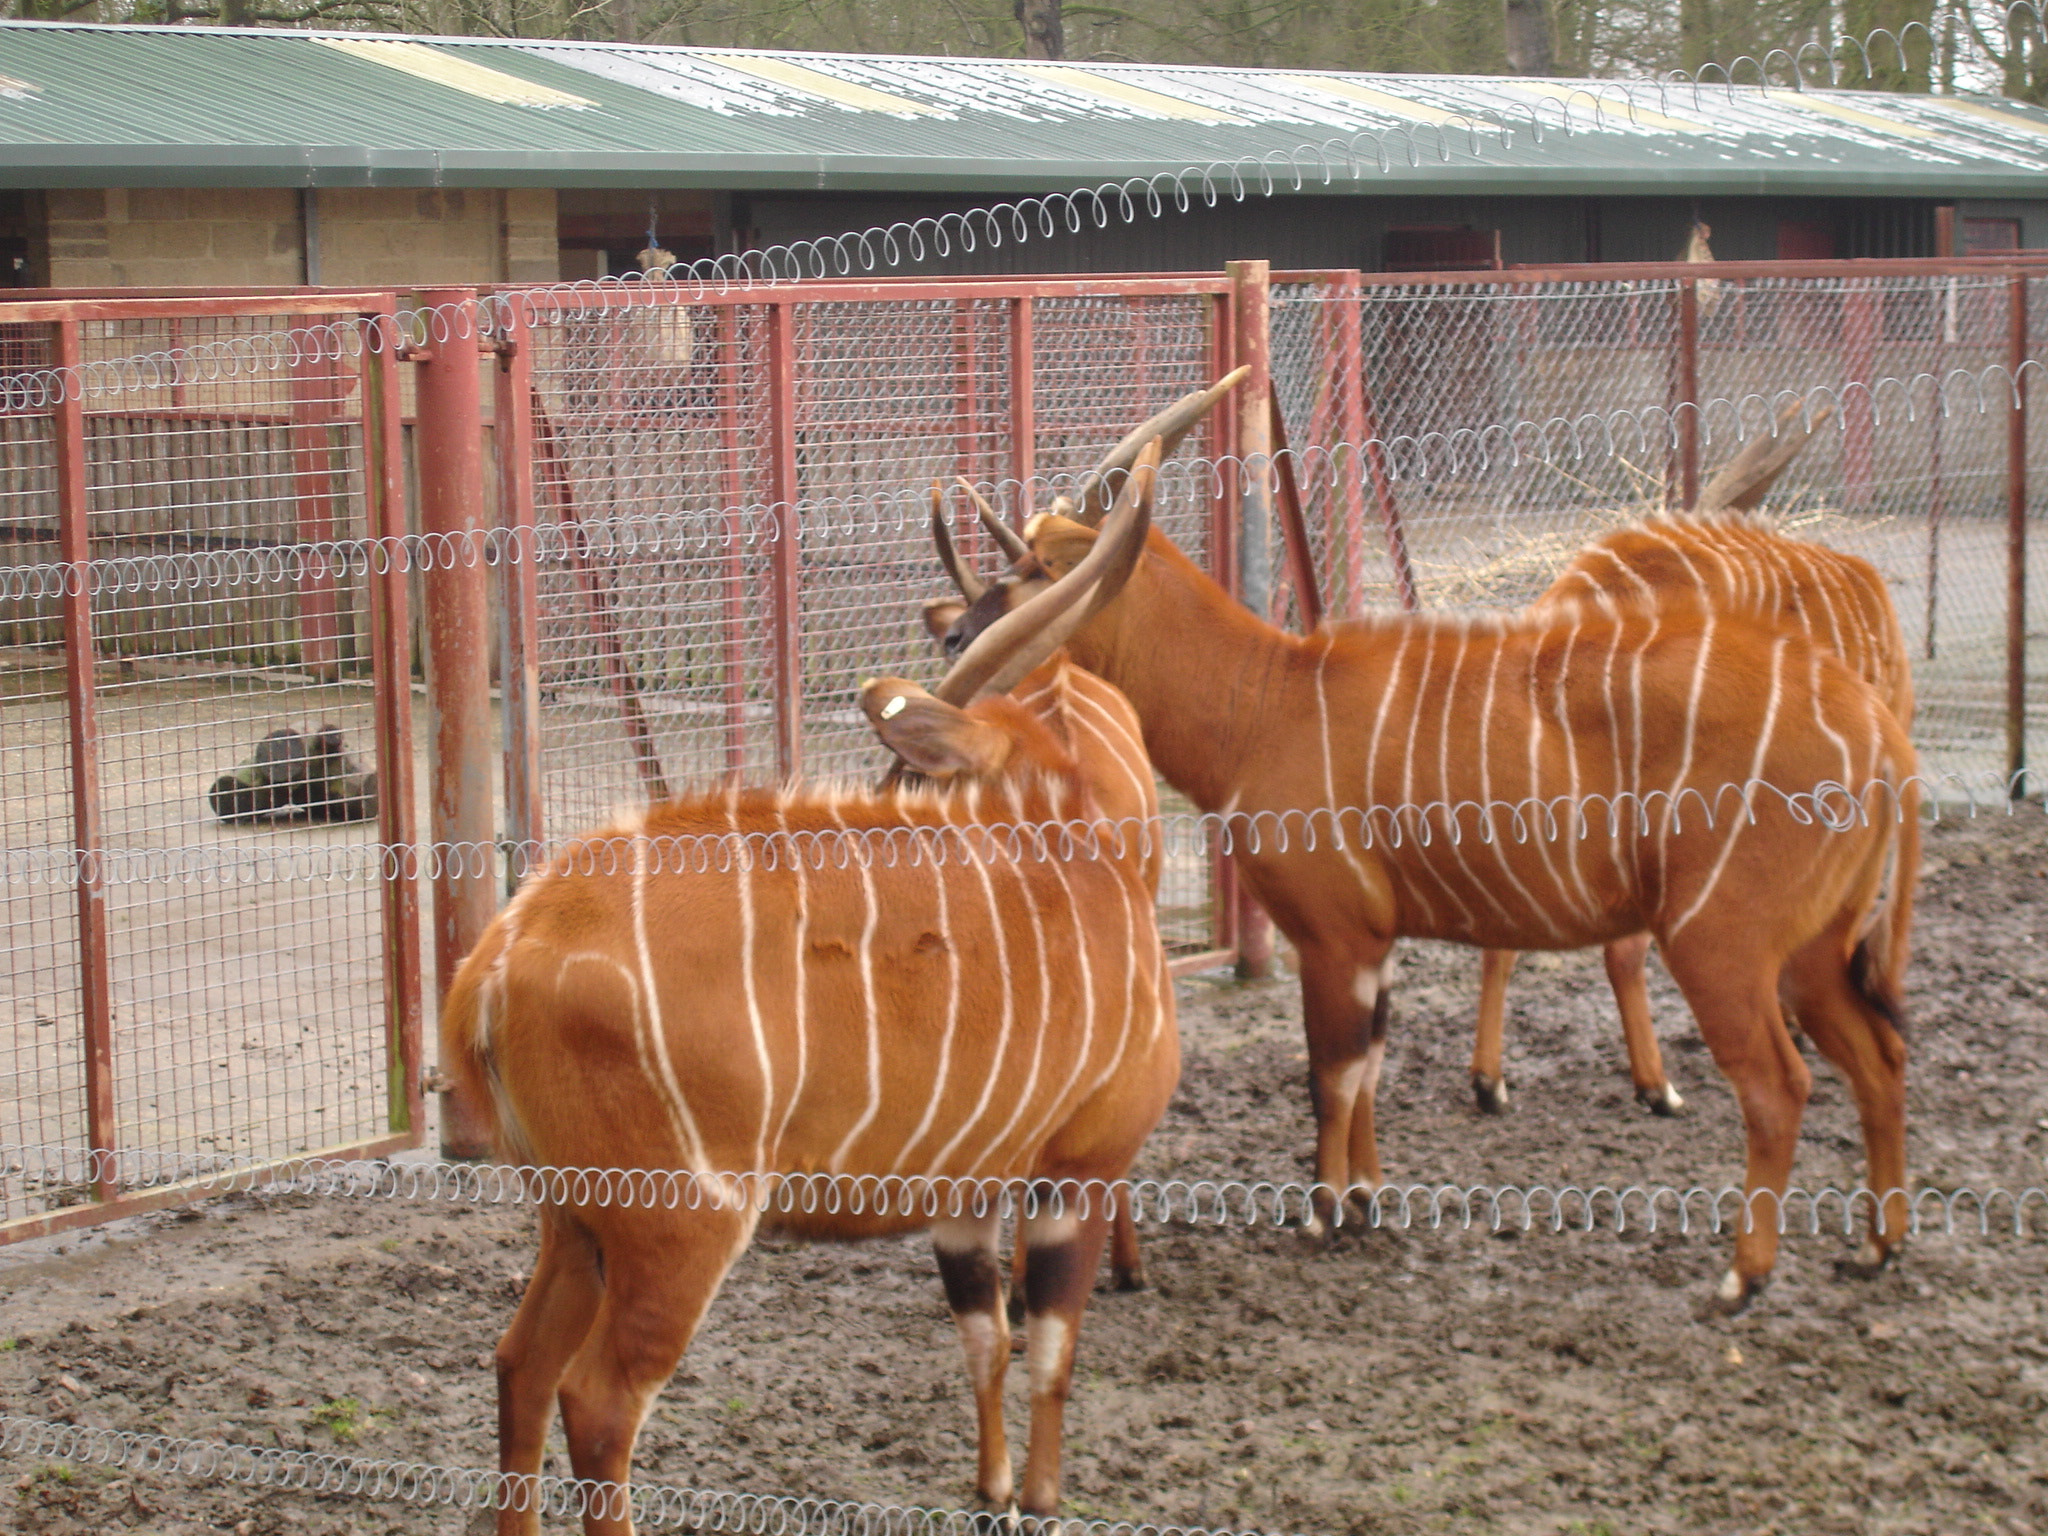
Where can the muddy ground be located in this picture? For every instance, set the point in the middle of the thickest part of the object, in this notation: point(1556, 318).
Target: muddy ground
point(1398, 1382)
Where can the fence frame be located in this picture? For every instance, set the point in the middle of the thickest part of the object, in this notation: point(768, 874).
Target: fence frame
point(385, 517)
point(450, 421)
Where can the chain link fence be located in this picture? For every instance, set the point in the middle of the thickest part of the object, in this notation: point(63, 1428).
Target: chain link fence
point(202, 544)
point(1480, 430)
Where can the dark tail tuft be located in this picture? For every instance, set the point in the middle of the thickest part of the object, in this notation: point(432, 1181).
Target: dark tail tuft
point(1874, 986)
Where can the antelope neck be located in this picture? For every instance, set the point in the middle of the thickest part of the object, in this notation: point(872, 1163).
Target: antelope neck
point(1204, 675)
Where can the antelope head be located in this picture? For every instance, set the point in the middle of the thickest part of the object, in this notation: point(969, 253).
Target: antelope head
point(1057, 545)
point(960, 726)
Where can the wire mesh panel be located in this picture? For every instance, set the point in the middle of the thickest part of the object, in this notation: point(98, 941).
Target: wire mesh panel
point(1482, 431)
point(222, 691)
point(42, 1070)
point(666, 434)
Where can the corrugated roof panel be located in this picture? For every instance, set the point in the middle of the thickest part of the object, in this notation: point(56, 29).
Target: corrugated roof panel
point(195, 106)
point(1861, 116)
point(1622, 109)
point(465, 75)
point(1383, 103)
point(818, 83)
point(1140, 99)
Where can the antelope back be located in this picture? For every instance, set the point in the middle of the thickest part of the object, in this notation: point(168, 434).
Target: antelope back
point(1739, 565)
point(908, 981)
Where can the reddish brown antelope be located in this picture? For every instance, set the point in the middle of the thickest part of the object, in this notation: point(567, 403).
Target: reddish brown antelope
point(1000, 1012)
point(1734, 565)
point(1550, 781)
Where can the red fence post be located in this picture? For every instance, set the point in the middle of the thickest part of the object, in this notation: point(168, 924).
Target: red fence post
point(733, 573)
point(1223, 567)
point(1862, 320)
point(786, 542)
point(2016, 543)
point(1023, 407)
point(391, 668)
point(519, 583)
point(95, 971)
point(1251, 296)
point(316, 407)
point(449, 450)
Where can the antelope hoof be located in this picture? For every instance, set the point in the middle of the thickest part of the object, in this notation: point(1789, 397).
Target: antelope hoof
point(996, 1517)
point(1735, 1292)
point(1490, 1093)
point(1660, 1100)
point(1133, 1279)
point(1870, 1262)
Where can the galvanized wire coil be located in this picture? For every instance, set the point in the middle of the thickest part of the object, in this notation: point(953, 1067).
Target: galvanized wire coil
point(423, 1483)
point(1583, 1207)
point(1562, 818)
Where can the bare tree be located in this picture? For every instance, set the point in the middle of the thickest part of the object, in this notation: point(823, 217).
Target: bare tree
point(1529, 47)
point(1044, 35)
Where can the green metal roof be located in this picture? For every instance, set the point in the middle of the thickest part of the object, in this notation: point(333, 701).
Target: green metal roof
point(196, 106)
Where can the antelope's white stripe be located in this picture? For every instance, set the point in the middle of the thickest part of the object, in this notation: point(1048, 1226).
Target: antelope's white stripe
point(866, 958)
point(650, 1031)
point(744, 866)
point(1737, 825)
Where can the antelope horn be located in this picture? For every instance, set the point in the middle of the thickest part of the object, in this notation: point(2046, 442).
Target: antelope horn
point(1170, 426)
point(1009, 648)
point(1742, 481)
point(963, 577)
point(1011, 540)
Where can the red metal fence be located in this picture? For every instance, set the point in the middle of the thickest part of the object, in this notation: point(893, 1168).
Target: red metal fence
point(188, 494)
point(695, 519)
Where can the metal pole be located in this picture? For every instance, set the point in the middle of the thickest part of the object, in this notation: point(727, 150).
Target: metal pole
point(1225, 885)
point(316, 405)
point(1391, 526)
point(1251, 300)
point(1023, 407)
point(2016, 545)
point(1860, 326)
point(95, 970)
point(449, 449)
point(733, 572)
point(519, 591)
point(391, 669)
point(1686, 407)
point(786, 541)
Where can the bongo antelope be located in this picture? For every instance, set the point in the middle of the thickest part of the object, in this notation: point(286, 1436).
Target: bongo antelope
point(1419, 736)
point(800, 1005)
point(1733, 565)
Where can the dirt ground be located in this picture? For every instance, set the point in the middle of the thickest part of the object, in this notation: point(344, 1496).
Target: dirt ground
point(1398, 1382)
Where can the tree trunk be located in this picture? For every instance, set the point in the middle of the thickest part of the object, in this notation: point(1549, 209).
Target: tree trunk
point(1529, 46)
point(1044, 37)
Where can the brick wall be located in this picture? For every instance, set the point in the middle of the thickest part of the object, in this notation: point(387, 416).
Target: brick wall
point(369, 237)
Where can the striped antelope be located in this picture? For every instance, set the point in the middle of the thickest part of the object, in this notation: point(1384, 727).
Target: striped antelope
point(1000, 1013)
point(1419, 736)
point(1734, 565)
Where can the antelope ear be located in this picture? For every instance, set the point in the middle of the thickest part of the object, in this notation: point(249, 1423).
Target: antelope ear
point(933, 737)
point(940, 614)
point(1059, 543)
